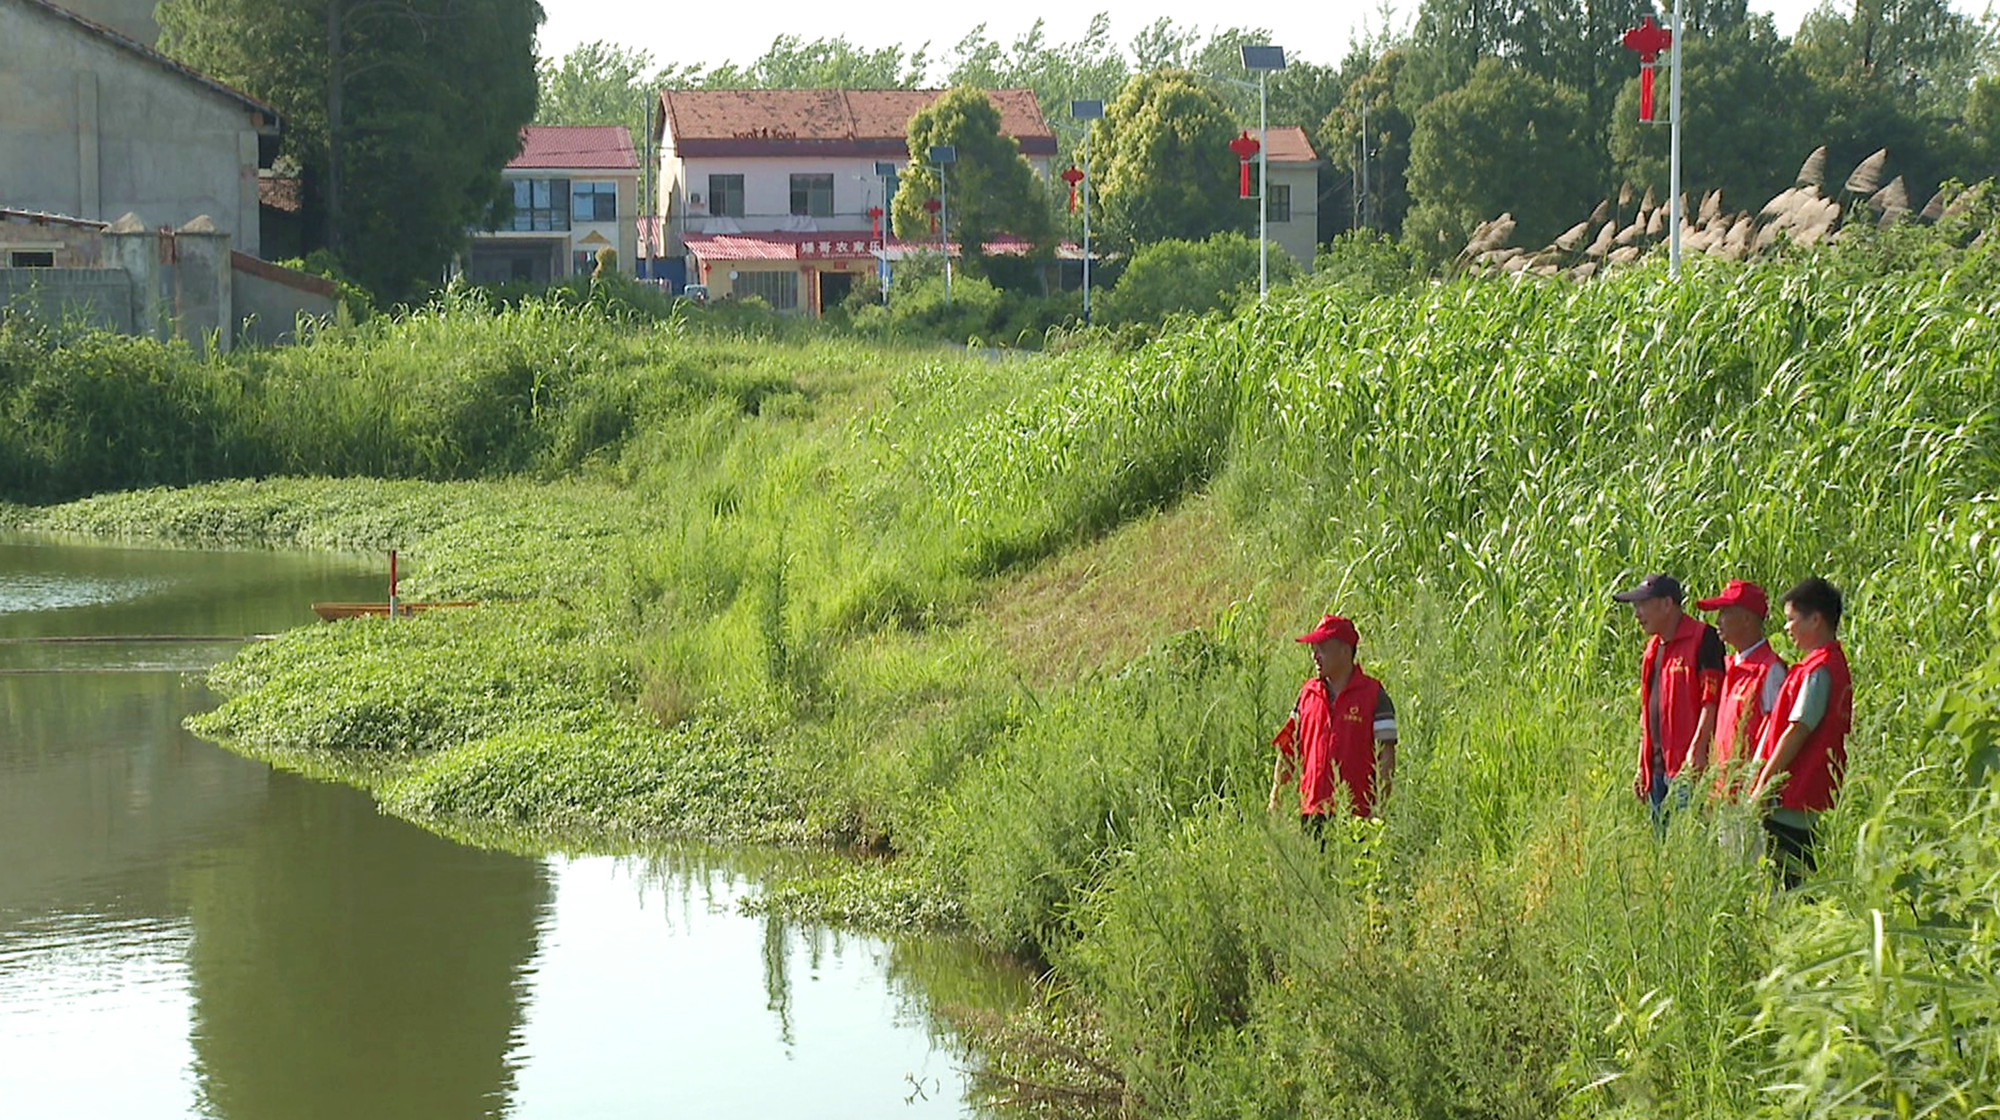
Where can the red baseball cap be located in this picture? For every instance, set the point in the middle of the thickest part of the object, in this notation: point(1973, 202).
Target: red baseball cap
point(1335, 627)
point(1738, 593)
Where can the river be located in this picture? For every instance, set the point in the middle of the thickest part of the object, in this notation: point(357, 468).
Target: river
point(188, 933)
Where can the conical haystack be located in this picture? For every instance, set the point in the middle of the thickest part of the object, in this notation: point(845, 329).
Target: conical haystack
point(1812, 173)
point(1867, 178)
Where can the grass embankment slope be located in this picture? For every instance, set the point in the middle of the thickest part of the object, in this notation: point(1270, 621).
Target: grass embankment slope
point(1026, 624)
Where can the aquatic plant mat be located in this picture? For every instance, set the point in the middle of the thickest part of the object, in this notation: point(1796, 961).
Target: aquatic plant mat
point(1024, 627)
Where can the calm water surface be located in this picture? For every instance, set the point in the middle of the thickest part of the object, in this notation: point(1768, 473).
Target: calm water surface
point(187, 933)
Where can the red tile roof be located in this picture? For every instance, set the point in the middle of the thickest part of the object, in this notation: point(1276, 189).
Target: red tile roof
point(1289, 145)
point(856, 122)
point(582, 146)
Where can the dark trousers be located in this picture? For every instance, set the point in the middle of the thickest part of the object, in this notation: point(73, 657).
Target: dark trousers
point(1793, 849)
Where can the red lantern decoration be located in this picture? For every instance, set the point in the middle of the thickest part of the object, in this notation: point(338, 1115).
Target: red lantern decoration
point(1245, 146)
point(875, 221)
point(1649, 39)
point(1072, 177)
point(931, 206)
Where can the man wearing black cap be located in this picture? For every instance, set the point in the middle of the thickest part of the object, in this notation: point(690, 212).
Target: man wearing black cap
point(1680, 687)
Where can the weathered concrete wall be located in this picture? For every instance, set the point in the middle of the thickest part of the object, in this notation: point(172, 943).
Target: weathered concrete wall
point(93, 130)
point(130, 18)
point(269, 300)
point(98, 296)
point(74, 246)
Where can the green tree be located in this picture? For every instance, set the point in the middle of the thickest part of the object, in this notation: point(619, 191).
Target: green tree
point(1163, 163)
point(1192, 277)
point(991, 188)
point(399, 113)
point(836, 63)
point(1749, 156)
point(1371, 96)
point(1507, 142)
point(597, 83)
point(1090, 68)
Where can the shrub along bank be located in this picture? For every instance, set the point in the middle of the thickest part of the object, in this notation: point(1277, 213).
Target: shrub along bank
point(815, 608)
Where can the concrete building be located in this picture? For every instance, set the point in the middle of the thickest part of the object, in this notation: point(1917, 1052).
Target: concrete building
point(768, 192)
point(130, 18)
point(97, 125)
point(1293, 218)
point(576, 191)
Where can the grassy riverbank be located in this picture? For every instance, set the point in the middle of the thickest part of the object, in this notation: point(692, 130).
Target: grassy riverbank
point(1026, 624)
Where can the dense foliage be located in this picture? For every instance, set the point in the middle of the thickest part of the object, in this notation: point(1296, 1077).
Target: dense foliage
point(398, 114)
point(1027, 623)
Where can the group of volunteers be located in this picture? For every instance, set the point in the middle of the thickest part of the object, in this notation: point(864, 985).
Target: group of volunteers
point(1757, 731)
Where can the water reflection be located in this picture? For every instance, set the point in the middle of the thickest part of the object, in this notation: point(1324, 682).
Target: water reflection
point(348, 965)
point(184, 932)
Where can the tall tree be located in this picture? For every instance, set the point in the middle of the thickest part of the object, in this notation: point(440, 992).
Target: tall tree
point(795, 63)
point(1163, 163)
point(1091, 68)
point(1505, 142)
point(400, 113)
point(1371, 124)
point(597, 83)
point(1749, 156)
point(989, 190)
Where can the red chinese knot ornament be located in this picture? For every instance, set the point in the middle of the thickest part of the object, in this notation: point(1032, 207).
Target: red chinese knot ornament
point(875, 220)
point(1649, 39)
point(1072, 177)
point(1244, 146)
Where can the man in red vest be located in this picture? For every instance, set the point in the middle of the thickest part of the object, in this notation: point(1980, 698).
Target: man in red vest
point(1751, 679)
point(1802, 754)
point(1680, 688)
point(1342, 730)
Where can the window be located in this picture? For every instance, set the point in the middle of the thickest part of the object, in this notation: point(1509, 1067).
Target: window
point(1281, 204)
point(593, 201)
point(540, 204)
point(812, 195)
point(32, 258)
point(583, 262)
point(725, 196)
point(779, 289)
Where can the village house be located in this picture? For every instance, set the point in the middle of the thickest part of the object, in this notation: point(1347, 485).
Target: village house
point(777, 193)
point(1292, 209)
point(576, 191)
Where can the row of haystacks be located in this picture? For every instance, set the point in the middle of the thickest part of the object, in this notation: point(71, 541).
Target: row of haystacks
point(1802, 214)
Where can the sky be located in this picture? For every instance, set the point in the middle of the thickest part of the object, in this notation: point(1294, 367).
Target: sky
point(707, 32)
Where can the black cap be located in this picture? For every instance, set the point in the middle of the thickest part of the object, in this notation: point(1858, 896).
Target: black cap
point(1659, 585)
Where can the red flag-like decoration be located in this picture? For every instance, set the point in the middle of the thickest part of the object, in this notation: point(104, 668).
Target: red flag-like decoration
point(1244, 146)
point(1649, 39)
point(1072, 177)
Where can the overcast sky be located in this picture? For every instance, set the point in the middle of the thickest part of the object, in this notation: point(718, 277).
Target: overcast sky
point(709, 32)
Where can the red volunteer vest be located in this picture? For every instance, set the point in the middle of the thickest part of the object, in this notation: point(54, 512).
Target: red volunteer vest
point(1334, 739)
point(1818, 767)
point(1682, 694)
point(1740, 719)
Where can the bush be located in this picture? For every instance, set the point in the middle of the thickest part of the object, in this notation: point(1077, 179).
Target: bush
point(1192, 277)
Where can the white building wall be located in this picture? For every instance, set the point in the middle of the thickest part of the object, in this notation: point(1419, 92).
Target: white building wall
point(1300, 236)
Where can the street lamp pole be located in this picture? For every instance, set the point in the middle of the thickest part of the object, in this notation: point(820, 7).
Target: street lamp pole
point(942, 157)
point(1264, 59)
point(1674, 214)
point(1086, 111)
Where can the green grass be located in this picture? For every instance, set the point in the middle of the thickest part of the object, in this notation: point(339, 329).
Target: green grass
point(800, 588)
